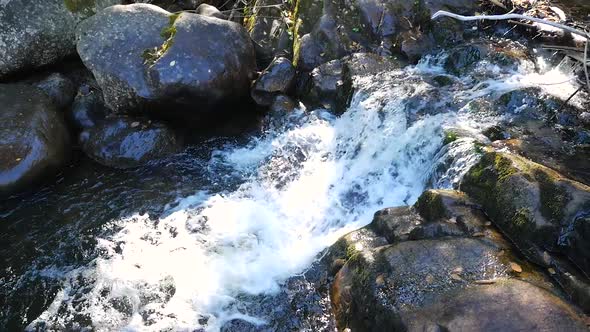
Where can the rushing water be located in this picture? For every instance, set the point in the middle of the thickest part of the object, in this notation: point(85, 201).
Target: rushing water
point(177, 246)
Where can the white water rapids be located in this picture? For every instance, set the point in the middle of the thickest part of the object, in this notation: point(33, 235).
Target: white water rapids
point(304, 183)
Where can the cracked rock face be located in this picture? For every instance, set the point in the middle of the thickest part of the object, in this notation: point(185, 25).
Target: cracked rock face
point(180, 67)
point(35, 33)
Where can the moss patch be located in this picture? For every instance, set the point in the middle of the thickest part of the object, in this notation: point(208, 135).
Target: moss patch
point(450, 137)
point(430, 206)
point(86, 7)
point(554, 197)
point(151, 56)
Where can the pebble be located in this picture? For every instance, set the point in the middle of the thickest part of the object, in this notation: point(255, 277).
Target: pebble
point(456, 277)
point(515, 267)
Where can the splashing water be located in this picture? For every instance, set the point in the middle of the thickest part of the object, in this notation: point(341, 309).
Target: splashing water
point(299, 187)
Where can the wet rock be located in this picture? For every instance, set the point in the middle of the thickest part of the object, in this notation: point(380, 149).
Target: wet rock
point(536, 207)
point(382, 27)
point(88, 108)
point(35, 33)
point(277, 79)
point(506, 305)
point(34, 142)
point(282, 104)
point(279, 111)
point(463, 59)
point(211, 11)
point(129, 142)
point(331, 87)
point(269, 30)
point(330, 84)
point(180, 67)
point(394, 281)
point(59, 88)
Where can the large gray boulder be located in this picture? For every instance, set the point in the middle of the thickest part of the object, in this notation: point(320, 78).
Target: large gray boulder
point(440, 266)
point(177, 66)
point(34, 141)
point(35, 33)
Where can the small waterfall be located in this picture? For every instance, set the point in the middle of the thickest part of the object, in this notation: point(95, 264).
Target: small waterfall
point(296, 189)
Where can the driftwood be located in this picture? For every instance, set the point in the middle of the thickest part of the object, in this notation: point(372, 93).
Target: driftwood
point(442, 13)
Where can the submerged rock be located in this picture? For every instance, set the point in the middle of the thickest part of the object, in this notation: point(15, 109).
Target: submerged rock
point(35, 33)
point(127, 142)
point(395, 275)
point(176, 66)
point(34, 141)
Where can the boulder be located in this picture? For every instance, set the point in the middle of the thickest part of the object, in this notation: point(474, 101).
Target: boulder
point(35, 33)
point(176, 66)
point(506, 305)
point(538, 209)
point(386, 277)
point(277, 79)
point(211, 11)
point(59, 88)
point(125, 142)
point(34, 141)
point(383, 27)
point(331, 84)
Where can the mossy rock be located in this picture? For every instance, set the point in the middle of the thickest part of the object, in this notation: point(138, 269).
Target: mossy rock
point(430, 206)
point(86, 7)
point(533, 205)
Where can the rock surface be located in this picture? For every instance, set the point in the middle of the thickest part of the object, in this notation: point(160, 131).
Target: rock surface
point(335, 29)
point(59, 88)
point(35, 33)
point(125, 142)
point(34, 141)
point(536, 207)
point(331, 84)
point(395, 275)
point(269, 30)
point(277, 79)
point(173, 66)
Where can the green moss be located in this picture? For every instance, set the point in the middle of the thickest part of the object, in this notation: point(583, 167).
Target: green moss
point(151, 56)
point(522, 222)
point(553, 197)
point(478, 147)
point(86, 7)
point(430, 206)
point(450, 136)
point(503, 167)
point(443, 80)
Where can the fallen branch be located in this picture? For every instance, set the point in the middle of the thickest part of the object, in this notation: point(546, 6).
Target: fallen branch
point(442, 13)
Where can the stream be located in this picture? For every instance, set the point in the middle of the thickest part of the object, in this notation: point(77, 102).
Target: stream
point(185, 243)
